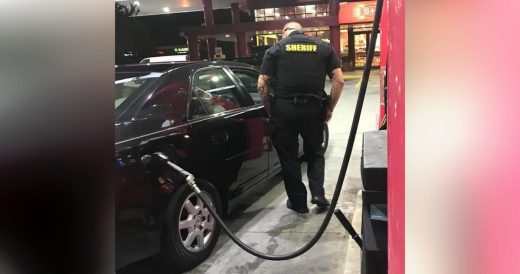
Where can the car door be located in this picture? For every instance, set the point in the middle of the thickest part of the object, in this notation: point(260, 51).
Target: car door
point(248, 79)
point(227, 130)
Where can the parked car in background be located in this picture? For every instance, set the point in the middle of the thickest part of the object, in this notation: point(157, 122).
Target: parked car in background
point(208, 118)
point(256, 57)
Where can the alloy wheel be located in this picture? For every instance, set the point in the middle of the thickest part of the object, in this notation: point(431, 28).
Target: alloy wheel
point(196, 225)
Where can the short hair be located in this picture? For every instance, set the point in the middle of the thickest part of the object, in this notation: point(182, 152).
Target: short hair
point(293, 26)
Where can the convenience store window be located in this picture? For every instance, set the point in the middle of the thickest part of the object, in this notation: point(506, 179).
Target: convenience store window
point(360, 39)
point(260, 13)
point(361, 42)
point(285, 13)
point(268, 38)
point(324, 8)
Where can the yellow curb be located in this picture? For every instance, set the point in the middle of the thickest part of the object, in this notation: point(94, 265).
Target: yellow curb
point(349, 77)
point(353, 261)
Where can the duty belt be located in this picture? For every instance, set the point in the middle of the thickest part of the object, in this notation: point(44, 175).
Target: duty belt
point(298, 99)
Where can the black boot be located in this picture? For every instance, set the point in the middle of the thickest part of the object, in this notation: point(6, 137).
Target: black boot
point(297, 209)
point(320, 201)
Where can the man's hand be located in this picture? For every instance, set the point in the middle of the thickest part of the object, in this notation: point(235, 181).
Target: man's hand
point(264, 83)
point(328, 115)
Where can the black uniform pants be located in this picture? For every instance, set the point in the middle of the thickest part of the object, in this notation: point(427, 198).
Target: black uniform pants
point(288, 120)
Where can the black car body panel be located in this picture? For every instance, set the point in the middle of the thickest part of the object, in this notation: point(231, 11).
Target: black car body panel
point(216, 129)
point(227, 148)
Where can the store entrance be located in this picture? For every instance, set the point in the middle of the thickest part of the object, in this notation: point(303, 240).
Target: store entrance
point(361, 42)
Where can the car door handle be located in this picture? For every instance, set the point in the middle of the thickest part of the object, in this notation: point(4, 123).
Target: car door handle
point(220, 138)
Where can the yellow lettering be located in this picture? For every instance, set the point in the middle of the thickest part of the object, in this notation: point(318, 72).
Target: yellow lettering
point(301, 47)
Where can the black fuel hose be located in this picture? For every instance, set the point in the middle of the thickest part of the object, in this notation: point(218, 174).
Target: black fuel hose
point(344, 165)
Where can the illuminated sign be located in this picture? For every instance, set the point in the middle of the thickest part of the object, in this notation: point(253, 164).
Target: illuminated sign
point(172, 50)
point(362, 11)
point(180, 50)
point(357, 12)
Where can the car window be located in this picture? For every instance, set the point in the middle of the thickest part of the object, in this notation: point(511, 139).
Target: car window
point(130, 87)
point(213, 92)
point(249, 79)
point(167, 106)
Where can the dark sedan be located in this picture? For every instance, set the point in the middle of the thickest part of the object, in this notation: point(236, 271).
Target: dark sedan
point(208, 118)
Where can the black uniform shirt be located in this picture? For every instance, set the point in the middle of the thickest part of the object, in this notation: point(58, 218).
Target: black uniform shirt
point(299, 65)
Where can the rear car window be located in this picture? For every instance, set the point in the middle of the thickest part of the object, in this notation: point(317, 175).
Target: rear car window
point(249, 79)
point(131, 87)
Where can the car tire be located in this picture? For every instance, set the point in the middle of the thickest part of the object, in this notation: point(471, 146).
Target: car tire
point(325, 142)
point(187, 225)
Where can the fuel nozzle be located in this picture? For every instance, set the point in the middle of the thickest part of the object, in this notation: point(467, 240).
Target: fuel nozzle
point(193, 185)
point(190, 178)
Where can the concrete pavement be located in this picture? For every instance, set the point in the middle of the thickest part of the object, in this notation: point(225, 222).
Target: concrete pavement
point(266, 224)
